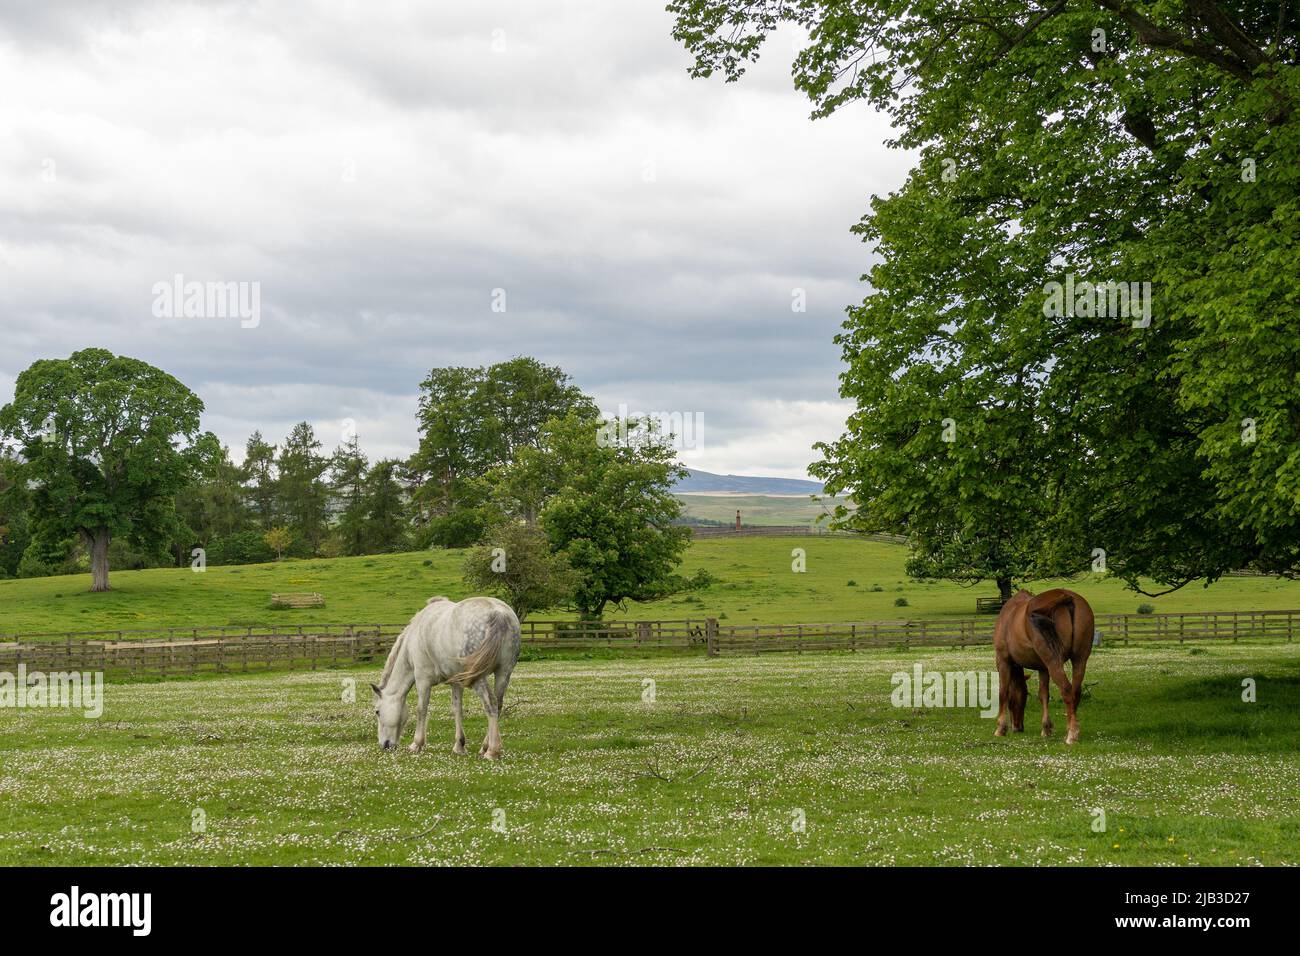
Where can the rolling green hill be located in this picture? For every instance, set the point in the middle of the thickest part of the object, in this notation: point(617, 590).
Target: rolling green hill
point(754, 584)
point(756, 509)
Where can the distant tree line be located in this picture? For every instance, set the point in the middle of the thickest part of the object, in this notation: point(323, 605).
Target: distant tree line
point(102, 464)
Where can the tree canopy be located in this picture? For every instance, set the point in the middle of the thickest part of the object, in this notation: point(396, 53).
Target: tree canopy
point(102, 442)
point(473, 420)
point(1076, 144)
point(613, 516)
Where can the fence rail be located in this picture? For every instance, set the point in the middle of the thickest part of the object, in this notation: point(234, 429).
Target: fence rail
point(164, 652)
point(201, 651)
point(1114, 628)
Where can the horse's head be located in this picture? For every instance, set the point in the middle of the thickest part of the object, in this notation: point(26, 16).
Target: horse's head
point(391, 713)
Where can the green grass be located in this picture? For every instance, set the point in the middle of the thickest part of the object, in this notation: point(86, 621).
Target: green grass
point(757, 510)
point(715, 770)
point(754, 584)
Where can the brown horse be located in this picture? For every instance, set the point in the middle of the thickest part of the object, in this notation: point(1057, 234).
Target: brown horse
point(1041, 633)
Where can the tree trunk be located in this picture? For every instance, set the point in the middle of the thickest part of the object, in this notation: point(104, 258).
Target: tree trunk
point(1004, 589)
point(99, 560)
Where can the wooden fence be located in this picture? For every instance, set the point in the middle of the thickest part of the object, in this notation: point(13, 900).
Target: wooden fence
point(180, 652)
point(684, 634)
point(167, 652)
point(175, 652)
point(1113, 628)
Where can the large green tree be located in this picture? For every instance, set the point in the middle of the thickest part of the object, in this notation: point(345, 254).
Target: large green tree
point(15, 506)
point(472, 420)
point(613, 518)
point(348, 469)
point(259, 479)
point(1077, 141)
point(101, 439)
point(387, 525)
point(302, 491)
point(211, 506)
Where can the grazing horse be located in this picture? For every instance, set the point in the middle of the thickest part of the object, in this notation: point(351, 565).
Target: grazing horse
point(456, 643)
point(1042, 632)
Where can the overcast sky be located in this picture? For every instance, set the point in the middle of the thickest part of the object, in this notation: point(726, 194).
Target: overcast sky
point(380, 169)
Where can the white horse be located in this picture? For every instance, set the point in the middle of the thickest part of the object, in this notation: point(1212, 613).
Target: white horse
point(456, 643)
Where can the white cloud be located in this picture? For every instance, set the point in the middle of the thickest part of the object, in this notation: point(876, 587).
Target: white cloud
point(380, 169)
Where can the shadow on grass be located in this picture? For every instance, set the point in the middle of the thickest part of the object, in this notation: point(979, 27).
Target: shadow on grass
point(1208, 714)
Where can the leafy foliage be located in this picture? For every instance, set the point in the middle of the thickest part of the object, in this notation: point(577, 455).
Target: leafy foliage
point(100, 438)
point(278, 540)
point(1108, 141)
point(516, 562)
point(613, 517)
point(473, 420)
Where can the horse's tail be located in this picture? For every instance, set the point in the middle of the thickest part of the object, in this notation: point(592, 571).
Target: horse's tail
point(1042, 612)
point(483, 659)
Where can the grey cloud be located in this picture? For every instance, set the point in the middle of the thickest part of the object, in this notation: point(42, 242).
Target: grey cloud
point(379, 177)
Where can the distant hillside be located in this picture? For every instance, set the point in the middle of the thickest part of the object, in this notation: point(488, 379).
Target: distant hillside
point(701, 482)
point(755, 510)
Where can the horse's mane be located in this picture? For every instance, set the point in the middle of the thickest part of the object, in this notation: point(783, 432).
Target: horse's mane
point(398, 646)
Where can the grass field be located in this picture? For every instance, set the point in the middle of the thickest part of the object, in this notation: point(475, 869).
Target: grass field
point(717, 769)
point(754, 584)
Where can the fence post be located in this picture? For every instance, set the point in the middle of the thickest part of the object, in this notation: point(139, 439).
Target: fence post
point(711, 636)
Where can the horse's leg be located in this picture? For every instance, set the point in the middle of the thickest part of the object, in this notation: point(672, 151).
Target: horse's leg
point(1076, 695)
point(492, 742)
point(499, 684)
point(1044, 693)
point(457, 711)
point(1019, 695)
point(423, 691)
point(1071, 708)
point(1076, 673)
point(1004, 695)
point(1049, 654)
point(1057, 670)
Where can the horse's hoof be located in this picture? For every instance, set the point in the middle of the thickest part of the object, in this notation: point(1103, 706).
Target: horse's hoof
point(491, 755)
point(1000, 732)
point(459, 749)
point(1072, 738)
point(415, 748)
point(1047, 731)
